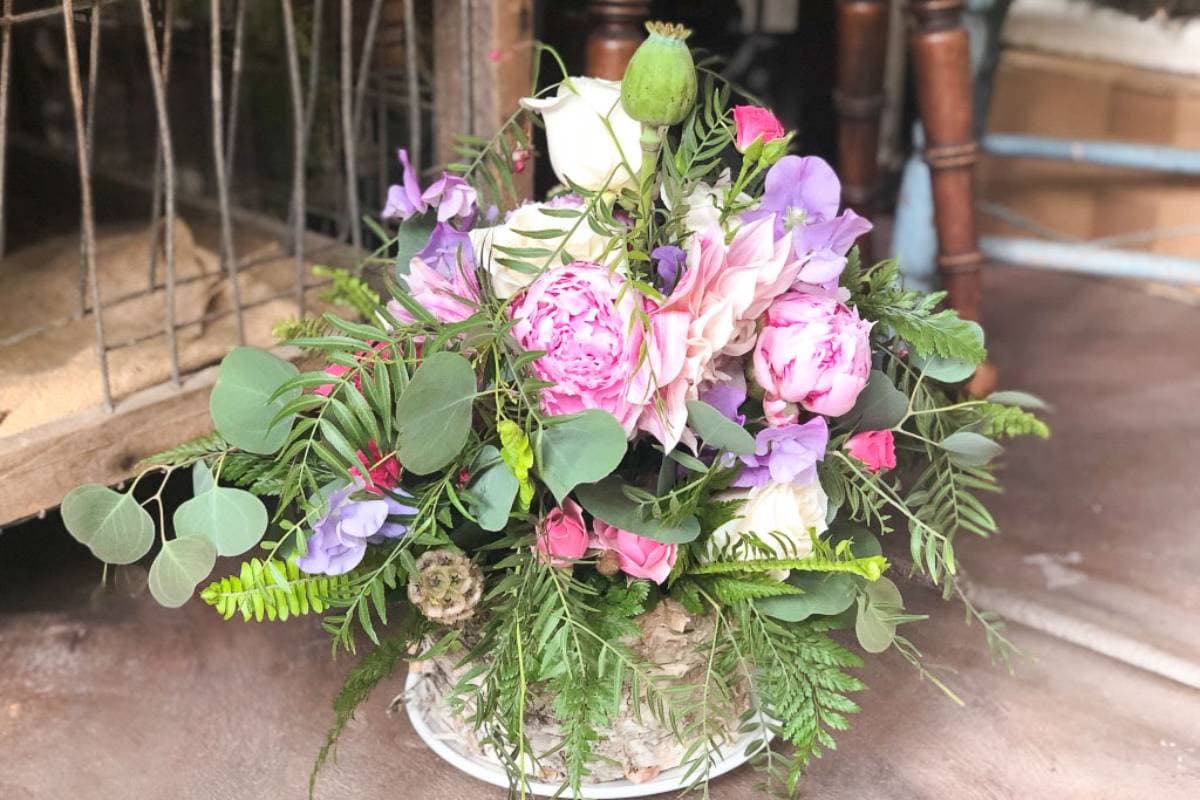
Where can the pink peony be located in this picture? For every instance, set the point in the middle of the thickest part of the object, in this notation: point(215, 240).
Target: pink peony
point(723, 291)
point(754, 122)
point(637, 556)
point(876, 449)
point(449, 299)
point(561, 536)
point(813, 351)
point(599, 353)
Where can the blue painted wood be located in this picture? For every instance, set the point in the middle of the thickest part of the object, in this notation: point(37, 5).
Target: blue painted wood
point(1092, 260)
point(1177, 160)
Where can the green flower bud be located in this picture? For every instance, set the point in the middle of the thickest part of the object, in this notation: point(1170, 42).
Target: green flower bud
point(659, 87)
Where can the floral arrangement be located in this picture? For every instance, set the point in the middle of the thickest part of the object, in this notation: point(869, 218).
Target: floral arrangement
point(667, 401)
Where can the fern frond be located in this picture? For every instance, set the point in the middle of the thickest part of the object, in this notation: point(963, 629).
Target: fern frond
point(300, 328)
point(274, 590)
point(1001, 421)
point(209, 444)
point(730, 590)
point(347, 289)
point(870, 567)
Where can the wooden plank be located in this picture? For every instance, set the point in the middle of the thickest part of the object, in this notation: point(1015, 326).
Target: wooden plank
point(39, 466)
point(482, 65)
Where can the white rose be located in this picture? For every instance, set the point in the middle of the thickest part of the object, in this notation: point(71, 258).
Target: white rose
point(779, 515)
point(704, 204)
point(581, 147)
point(582, 244)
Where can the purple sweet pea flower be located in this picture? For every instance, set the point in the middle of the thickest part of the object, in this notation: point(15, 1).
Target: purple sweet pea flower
point(340, 537)
point(404, 200)
point(788, 454)
point(446, 249)
point(454, 199)
point(727, 398)
point(804, 195)
point(668, 262)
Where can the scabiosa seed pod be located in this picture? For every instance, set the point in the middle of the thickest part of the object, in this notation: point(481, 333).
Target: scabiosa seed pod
point(659, 87)
point(446, 587)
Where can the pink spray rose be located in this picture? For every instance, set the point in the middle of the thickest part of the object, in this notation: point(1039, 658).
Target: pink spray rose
point(594, 342)
point(561, 536)
point(814, 351)
point(876, 449)
point(637, 556)
point(754, 122)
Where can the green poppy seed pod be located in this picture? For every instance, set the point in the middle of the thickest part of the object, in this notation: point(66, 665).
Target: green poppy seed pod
point(659, 87)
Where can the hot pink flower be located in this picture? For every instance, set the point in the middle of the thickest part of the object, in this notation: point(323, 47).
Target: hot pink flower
point(382, 474)
point(754, 122)
point(814, 351)
point(561, 536)
point(378, 350)
point(876, 449)
point(598, 354)
point(637, 556)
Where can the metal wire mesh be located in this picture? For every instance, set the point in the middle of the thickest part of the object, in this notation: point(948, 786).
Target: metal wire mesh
point(381, 78)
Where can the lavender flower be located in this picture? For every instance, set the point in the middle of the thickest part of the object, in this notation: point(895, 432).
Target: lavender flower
point(454, 199)
point(340, 537)
point(804, 195)
point(447, 249)
point(788, 454)
point(668, 262)
point(404, 200)
point(728, 397)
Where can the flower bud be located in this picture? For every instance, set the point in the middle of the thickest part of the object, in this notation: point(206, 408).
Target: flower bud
point(659, 87)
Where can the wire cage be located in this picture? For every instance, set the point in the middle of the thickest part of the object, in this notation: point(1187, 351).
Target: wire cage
point(171, 169)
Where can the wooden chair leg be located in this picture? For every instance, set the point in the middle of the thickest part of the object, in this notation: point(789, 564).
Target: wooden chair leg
point(616, 32)
point(941, 63)
point(858, 97)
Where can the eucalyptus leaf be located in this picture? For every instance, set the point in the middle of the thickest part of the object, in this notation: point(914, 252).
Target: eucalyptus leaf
point(113, 526)
point(494, 488)
point(880, 405)
point(434, 413)
point(177, 569)
point(824, 593)
point(411, 238)
point(717, 430)
point(607, 501)
point(202, 477)
point(1019, 399)
point(241, 404)
point(232, 519)
point(970, 449)
point(863, 543)
point(879, 603)
point(581, 448)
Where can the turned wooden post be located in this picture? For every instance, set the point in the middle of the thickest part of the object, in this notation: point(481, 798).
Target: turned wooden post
point(858, 98)
point(941, 62)
point(617, 30)
point(943, 73)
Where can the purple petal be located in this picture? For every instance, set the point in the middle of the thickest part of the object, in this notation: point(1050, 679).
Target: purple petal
point(404, 200)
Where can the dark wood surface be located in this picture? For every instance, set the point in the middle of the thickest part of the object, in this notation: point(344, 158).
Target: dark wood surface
point(107, 697)
point(616, 31)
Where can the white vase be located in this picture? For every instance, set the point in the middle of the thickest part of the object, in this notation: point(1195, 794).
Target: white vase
point(448, 743)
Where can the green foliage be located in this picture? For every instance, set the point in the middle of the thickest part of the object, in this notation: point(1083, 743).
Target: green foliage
point(274, 589)
point(293, 328)
point(113, 526)
point(718, 431)
point(518, 455)
point(204, 446)
point(245, 403)
point(1001, 421)
point(434, 413)
point(234, 520)
point(374, 667)
point(489, 165)
point(347, 289)
point(869, 567)
point(911, 315)
point(630, 509)
point(581, 448)
point(493, 487)
point(262, 476)
point(179, 566)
